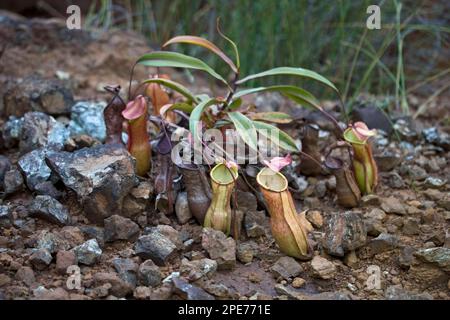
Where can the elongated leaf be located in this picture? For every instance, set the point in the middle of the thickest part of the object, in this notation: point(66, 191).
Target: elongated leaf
point(185, 107)
point(235, 104)
point(196, 114)
point(276, 117)
point(290, 71)
point(284, 140)
point(177, 60)
point(174, 86)
point(244, 127)
point(205, 44)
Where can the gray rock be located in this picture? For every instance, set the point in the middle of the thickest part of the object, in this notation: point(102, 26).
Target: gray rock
point(88, 253)
point(94, 232)
point(5, 215)
point(406, 256)
point(11, 131)
point(169, 232)
point(246, 201)
point(188, 291)
point(5, 165)
point(127, 270)
point(432, 135)
point(34, 168)
point(411, 226)
point(41, 259)
point(323, 268)
point(49, 209)
point(220, 248)
point(196, 269)
point(344, 232)
point(47, 240)
point(254, 224)
point(120, 228)
point(26, 275)
point(393, 205)
point(137, 201)
point(40, 130)
point(87, 118)
point(388, 160)
point(398, 293)
point(118, 287)
point(439, 256)
point(157, 247)
point(35, 93)
point(47, 188)
point(384, 242)
point(286, 268)
point(182, 208)
point(101, 176)
point(245, 251)
point(149, 274)
point(12, 182)
point(434, 183)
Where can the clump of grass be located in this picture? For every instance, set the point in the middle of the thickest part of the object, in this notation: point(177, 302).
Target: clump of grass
point(332, 39)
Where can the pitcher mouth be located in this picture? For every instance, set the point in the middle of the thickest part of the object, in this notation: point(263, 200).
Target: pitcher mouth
point(271, 180)
point(221, 174)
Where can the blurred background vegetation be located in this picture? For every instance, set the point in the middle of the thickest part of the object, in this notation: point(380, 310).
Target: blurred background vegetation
point(410, 54)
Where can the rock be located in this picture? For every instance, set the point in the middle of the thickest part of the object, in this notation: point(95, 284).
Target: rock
point(142, 293)
point(26, 275)
point(370, 200)
point(52, 294)
point(194, 270)
point(12, 181)
point(136, 202)
point(35, 93)
point(169, 232)
point(40, 130)
point(384, 242)
point(101, 176)
point(94, 232)
point(388, 160)
point(47, 188)
point(438, 256)
point(322, 268)
point(182, 208)
point(49, 209)
point(34, 168)
point(88, 253)
point(65, 259)
point(393, 180)
point(286, 268)
point(298, 282)
point(5, 216)
point(41, 259)
point(149, 274)
point(434, 183)
point(4, 280)
point(157, 247)
point(315, 217)
point(411, 227)
point(11, 132)
point(406, 257)
point(188, 291)
point(119, 288)
point(254, 224)
point(246, 201)
point(246, 251)
point(351, 259)
point(217, 289)
point(5, 165)
point(373, 221)
point(127, 270)
point(373, 117)
point(344, 232)
point(432, 135)
point(120, 228)
point(87, 118)
point(398, 293)
point(220, 248)
point(393, 205)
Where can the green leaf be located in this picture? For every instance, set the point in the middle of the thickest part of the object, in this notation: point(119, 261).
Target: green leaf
point(205, 44)
point(276, 117)
point(290, 71)
point(235, 104)
point(182, 106)
point(196, 114)
point(297, 94)
point(284, 140)
point(177, 60)
point(244, 127)
point(174, 86)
